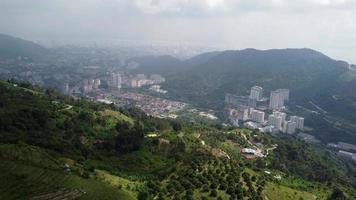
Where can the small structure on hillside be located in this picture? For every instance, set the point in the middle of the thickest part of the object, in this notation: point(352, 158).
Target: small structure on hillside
point(251, 153)
point(66, 167)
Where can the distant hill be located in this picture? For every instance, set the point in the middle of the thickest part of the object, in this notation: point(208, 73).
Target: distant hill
point(304, 71)
point(169, 65)
point(202, 58)
point(12, 47)
point(310, 75)
point(157, 64)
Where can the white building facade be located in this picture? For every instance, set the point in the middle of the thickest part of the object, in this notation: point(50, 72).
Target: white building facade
point(275, 121)
point(256, 93)
point(278, 98)
point(115, 80)
point(299, 122)
point(257, 116)
point(290, 127)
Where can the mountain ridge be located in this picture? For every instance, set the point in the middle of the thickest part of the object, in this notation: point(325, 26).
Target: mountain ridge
point(255, 66)
point(13, 47)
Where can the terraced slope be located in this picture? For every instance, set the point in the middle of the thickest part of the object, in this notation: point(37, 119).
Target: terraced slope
point(31, 173)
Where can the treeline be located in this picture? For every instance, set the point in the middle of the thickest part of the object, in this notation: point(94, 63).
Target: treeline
point(47, 119)
point(311, 163)
point(210, 178)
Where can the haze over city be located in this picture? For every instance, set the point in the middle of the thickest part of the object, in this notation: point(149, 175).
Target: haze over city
point(325, 25)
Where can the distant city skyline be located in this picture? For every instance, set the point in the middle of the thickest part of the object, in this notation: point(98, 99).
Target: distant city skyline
point(328, 26)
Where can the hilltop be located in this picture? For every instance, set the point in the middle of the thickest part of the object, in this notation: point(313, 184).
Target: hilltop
point(12, 47)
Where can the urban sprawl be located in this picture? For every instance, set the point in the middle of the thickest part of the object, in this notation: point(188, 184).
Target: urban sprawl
point(255, 111)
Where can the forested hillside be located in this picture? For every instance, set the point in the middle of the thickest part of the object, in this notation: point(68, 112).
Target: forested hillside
point(55, 147)
point(307, 73)
point(310, 75)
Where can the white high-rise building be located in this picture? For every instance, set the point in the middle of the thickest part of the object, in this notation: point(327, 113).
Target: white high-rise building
point(238, 114)
point(97, 83)
point(275, 121)
point(278, 97)
point(235, 115)
point(242, 113)
point(289, 127)
point(256, 93)
point(257, 116)
point(275, 100)
point(280, 114)
point(87, 86)
point(284, 93)
point(299, 122)
point(115, 80)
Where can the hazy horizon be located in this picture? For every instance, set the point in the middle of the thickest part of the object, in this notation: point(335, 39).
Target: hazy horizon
point(328, 26)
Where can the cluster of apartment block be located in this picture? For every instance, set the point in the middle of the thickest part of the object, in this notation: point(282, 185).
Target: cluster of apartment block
point(277, 121)
point(115, 81)
point(141, 80)
point(245, 110)
point(90, 84)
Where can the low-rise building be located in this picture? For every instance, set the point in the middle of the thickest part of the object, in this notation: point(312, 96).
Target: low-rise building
point(346, 146)
point(347, 155)
point(251, 153)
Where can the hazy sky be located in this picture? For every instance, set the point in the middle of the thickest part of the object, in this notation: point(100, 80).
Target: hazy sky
point(325, 25)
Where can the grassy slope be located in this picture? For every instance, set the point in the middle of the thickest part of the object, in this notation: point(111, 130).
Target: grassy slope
point(31, 172)
point(119, 182)
point(113, 116)
point(274, 191)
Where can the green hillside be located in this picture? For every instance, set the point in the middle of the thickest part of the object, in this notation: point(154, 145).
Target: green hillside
point(30, 172)
point(55, 147)
point(237, 71)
